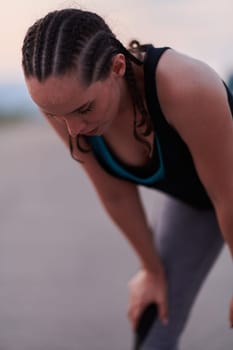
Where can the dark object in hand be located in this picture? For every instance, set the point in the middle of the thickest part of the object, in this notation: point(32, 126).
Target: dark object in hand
point(146, 320)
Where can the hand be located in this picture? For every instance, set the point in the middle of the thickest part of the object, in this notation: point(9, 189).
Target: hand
point(146, 287)
point(231, 313)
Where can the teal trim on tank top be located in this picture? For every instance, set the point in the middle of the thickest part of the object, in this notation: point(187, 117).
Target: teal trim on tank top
point(101, 149)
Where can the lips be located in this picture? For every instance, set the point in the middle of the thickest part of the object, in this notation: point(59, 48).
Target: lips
point(91, 132)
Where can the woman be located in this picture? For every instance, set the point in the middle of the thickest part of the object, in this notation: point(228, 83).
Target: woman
point(144, 116)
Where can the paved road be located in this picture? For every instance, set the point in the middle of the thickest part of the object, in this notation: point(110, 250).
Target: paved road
point(64, 267)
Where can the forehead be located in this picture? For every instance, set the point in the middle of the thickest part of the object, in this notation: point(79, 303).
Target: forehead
point(60, 94)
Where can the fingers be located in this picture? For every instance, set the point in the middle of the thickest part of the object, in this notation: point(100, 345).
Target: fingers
point(134, 313)
point(163, 312)
point(231, 314)
point(146, 288)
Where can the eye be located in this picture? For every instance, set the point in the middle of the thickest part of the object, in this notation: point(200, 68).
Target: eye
point(87, 110)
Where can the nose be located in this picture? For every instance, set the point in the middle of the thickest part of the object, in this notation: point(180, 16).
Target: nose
point(75, 127)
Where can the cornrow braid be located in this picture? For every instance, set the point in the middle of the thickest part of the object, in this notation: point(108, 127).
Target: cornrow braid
point(100, 50)
point(29, 48)
point(73, 36)
point(40, 39)
point(51, 42)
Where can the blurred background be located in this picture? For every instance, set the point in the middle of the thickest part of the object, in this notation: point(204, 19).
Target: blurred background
point(64, 267)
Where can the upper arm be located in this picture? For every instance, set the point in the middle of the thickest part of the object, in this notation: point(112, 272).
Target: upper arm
point(196, 105)
point(109, 188)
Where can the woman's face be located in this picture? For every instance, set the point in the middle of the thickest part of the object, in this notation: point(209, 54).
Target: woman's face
point(85, 111)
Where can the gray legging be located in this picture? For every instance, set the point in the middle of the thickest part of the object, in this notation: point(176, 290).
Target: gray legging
point(189, 241)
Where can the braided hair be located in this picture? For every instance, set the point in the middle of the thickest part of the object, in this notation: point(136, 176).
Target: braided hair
point(73, 39)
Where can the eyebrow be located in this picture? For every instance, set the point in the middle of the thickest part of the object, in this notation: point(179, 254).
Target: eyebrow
point(78, 109)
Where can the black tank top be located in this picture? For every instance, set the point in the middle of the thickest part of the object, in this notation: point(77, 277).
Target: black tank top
point(171, 169)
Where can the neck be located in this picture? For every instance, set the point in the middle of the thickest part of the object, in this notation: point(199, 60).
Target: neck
point(139, 77)
point(126, 98)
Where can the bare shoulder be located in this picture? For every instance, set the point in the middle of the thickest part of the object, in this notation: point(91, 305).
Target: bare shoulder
point(184, 82)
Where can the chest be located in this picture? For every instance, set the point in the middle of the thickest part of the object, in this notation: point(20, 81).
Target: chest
point(127, 148)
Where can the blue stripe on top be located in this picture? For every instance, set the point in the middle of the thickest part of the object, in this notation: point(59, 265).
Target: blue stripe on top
point(101, 150)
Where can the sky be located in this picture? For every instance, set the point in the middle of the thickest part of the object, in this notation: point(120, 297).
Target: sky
point(200, 28)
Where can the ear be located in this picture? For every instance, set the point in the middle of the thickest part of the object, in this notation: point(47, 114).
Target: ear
point(118, 65)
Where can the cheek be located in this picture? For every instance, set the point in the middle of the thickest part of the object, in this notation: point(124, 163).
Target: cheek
point(107, 108)
point(113, 103)
point(107, 105)
point(110, 111)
